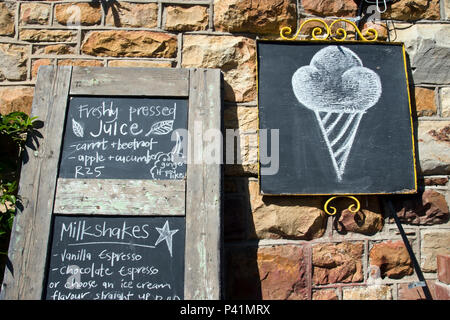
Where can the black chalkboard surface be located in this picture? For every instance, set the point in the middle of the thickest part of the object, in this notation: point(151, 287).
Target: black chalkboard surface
point(343, 115)
point(123, 138)
point(116, 258)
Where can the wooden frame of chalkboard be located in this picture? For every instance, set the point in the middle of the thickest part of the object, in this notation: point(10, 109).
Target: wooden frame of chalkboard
point(314, 119)
point(185, 203)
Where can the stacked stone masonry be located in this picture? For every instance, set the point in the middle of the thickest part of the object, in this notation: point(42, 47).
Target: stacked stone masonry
point(283, 247)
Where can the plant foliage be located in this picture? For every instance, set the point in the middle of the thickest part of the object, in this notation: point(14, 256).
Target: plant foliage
point(15, 127)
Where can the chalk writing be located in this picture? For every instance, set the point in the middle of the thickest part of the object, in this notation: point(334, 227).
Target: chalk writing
point(116, 258)
point(125, 138)
point(339, 90)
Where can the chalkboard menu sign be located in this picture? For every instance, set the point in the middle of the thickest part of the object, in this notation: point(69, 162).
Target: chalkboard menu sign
point(123, 138)
point(116, 258)
point(112, 209)
point(343, 115)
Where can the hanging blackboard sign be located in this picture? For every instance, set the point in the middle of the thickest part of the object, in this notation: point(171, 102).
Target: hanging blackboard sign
point(116, 258)
point(123, 138)
point(343, 115)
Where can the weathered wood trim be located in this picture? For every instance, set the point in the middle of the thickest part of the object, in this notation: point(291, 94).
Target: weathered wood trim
point(203, 192)
point(130, 82)
point(120, 196)
point(24, 279)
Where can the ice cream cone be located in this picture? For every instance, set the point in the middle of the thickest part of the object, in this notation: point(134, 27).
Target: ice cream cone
point(339, 131)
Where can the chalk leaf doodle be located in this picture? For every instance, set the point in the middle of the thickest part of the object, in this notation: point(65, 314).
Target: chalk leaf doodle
point(339, 90)
point(77, 129)
point(161, 128)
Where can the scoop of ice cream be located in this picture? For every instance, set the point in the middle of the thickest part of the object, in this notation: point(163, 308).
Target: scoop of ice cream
point(336, 81)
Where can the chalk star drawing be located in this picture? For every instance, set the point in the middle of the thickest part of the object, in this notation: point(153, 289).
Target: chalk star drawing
point(339, 90)
point(166, 234)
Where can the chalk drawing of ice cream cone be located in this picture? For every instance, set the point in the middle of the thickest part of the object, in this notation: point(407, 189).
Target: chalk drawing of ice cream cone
point(339, 90)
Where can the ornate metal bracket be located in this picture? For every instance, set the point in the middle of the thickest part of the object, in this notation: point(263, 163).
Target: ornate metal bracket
point(370, 34)
point(352, 207)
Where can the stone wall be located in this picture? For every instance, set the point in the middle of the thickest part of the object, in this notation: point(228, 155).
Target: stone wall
point(282, 247)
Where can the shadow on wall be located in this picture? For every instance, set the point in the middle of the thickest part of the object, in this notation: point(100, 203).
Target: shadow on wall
point(254, 271)
point(241, 275)
point(242, 280)
point(112, 5)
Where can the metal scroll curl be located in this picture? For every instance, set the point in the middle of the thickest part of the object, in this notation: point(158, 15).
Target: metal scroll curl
point(352, 208)
point(340, 34)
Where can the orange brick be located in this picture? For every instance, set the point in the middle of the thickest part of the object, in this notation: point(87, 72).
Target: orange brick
point(443, 268)
point(442, 291)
